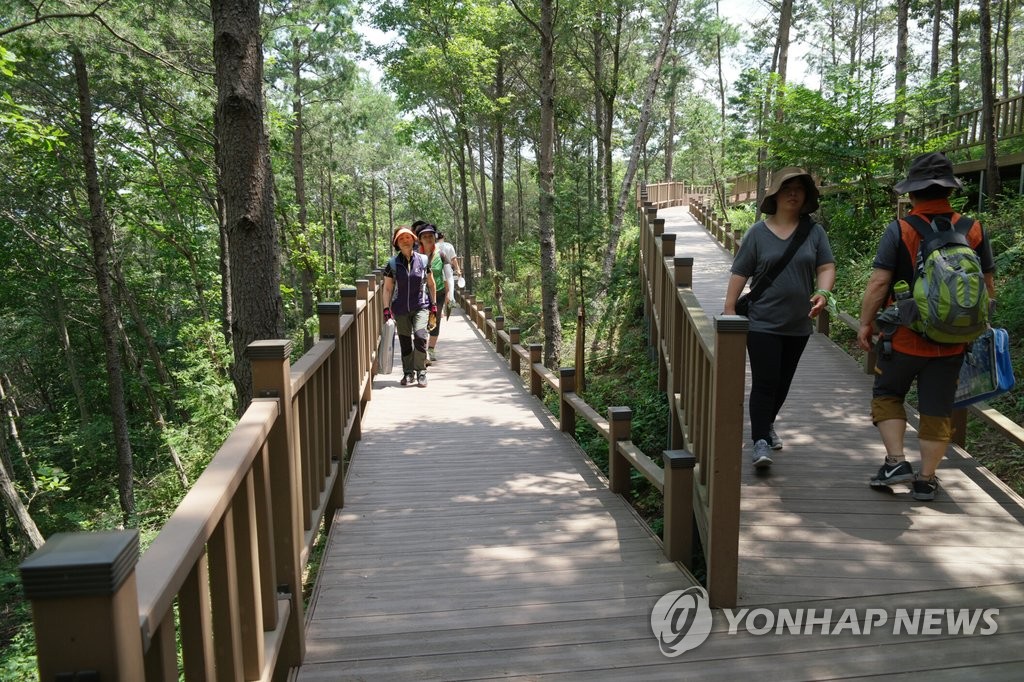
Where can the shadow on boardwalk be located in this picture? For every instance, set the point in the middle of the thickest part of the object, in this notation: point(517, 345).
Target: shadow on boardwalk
point(478, 542)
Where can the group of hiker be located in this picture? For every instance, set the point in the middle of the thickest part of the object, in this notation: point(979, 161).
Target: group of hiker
point(793, 269)
point(416, 280)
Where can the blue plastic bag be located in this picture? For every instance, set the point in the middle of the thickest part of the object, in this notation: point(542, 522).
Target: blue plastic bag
point(986, 371)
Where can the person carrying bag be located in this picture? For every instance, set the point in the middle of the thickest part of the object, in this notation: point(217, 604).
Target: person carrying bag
point(790, 259)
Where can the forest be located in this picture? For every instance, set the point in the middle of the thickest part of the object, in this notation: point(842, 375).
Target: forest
point(182, 178)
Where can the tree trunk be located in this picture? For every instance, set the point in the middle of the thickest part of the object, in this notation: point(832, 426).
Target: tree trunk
point(480, 191)
point(244, 162)
point(993, 185)
point(902, 17)
point(638, 146)
point(498, 179)
point(464, 149)
point(84, 413)
point(373, 223)
point(24, 520)
point(306, 275)
point(598, 115)
point(10, 410)
point(546, 167)
point(154, 405)
point(954, 59)
point(100, 244)
point(670, 123)
point(933, 70)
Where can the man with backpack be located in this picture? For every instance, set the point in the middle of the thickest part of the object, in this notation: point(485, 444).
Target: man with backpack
point(934, 271)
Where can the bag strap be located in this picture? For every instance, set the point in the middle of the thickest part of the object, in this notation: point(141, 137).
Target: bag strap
point(933, 238)
point(765, 281)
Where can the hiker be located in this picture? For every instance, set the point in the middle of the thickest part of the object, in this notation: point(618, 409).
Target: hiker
point(427, 235)
point(412, 297)
point(454, 269)
point(909, 355)
point(789, 257)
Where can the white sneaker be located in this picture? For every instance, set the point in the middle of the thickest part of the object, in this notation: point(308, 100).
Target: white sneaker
point(762, 454)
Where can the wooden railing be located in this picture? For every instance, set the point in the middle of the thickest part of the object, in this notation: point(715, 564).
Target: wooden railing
point(701, 368)
point(222, 581)
point(964, 128)
point(667, 194)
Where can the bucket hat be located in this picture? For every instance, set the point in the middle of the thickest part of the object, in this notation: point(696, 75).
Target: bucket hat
point(399, 232)
point(778, 178)
point(926, 170)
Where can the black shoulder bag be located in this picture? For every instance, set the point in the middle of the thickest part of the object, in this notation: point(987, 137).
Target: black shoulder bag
point(744, 301)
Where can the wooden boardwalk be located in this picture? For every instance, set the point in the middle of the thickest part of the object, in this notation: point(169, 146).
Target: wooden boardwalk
point(478, 542)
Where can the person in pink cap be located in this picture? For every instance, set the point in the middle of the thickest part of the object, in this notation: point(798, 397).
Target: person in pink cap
point(412, 302)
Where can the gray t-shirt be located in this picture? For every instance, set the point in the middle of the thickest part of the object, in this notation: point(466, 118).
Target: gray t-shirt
point(783, 307)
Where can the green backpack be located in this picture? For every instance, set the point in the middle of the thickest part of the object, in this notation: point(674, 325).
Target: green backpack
point(949, 287)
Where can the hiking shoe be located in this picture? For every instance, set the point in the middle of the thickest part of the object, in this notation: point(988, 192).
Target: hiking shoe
point(773, 438)
point(924, 489)
point(409, 379)
point(762, 454)
point(421, 379)
point(892, 473)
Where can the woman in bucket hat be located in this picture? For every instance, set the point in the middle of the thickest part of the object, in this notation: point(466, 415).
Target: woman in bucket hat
point(912, 357)
point(780, 316)
point(438, 263)
point(412, 301)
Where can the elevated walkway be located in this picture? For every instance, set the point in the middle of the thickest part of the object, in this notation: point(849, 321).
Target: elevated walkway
point(478, 542)
point(476, 537)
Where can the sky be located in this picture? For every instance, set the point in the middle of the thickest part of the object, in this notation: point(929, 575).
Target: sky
point(740, 12)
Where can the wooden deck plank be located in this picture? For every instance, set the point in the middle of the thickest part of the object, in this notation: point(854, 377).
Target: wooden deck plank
point(478, 543)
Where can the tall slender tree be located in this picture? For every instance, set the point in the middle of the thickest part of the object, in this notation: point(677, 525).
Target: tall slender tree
point(243, 158)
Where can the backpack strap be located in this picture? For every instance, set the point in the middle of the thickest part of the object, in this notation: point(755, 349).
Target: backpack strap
point(933, 238)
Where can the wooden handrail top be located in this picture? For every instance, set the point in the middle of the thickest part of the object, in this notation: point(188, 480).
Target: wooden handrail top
point(642, 463)
point(163, 567)
point(702, 322)
point(584, 410)
point(306, 366)
point(550, 377)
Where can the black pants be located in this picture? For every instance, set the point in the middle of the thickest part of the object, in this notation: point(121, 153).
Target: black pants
point(773, 361)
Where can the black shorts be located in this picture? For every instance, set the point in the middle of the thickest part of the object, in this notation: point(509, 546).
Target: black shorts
point(936, 380)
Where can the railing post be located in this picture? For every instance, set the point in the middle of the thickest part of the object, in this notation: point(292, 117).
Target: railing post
point(729, 378)
point(513, 356)
point(337, 411)
point(678, 503)
point(566, 413)
point(488, 313)
point(619, 428)
point(683, 271)
point(85, 606)
point(737, 237)
point(536, 381)
point(363, 364)
point(499, 326)
point(271, 378)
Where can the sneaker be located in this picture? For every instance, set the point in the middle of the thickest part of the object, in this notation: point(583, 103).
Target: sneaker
point(421, 379)
point(409, 379)
point(892, 473)
point(762, 454)
point(924, 489)
point(773, 439)
point(432, 354)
